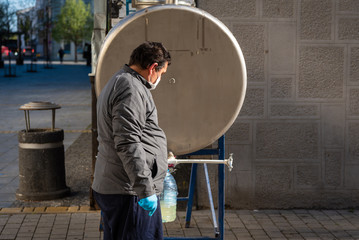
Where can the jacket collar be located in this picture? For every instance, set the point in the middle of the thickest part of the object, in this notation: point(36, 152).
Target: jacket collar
point(127, 68)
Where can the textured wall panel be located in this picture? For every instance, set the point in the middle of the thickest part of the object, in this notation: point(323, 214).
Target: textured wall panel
point(353, 142)
point(333, 125)
point(278, 8)
point(239, 132)
point(333, 168)
point(354, 64)
point(281, 88)
point(321, 72)
point(349, 6)
point(307, 176)
point(272, 183)
point(293, 111)
point(282, 47)
point(351, 177)
point(239, 189)
point(229, 8)
point(316, 19)
point(287, 140)
point(242, 157)
point(253, 105)
point(348, 28)
point(353, 95)
point(251, 39)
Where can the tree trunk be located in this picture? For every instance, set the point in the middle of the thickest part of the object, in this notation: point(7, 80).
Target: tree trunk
point(75, 52)
point(1, 48)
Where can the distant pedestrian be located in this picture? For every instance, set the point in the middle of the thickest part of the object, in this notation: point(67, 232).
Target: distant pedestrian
point(87, 54)
point(61, 54)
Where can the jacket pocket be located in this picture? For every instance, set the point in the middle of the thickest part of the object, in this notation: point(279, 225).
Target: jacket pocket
point(151, 161)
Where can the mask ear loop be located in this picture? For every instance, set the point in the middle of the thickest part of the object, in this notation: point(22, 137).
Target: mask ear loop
point(152, 68)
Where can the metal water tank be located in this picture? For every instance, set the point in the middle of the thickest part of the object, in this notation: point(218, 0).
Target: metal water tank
point(203, 90)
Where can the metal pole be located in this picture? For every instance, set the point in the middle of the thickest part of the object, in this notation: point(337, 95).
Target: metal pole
point(209, 191)
point(93, 204)
point(192, 185)
point(26, 122)
point(28, 118)
point(221, 197)
point(53, 120)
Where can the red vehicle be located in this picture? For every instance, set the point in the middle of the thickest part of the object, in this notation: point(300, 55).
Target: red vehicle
point(4, 51)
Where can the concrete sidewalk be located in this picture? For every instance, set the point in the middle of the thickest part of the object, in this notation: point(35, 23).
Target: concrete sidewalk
point(65, 84)
point(77, 223)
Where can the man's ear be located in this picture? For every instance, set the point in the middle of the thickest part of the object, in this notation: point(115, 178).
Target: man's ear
point(152, 67)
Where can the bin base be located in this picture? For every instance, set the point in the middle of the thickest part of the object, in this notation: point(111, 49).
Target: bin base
point(41, 196)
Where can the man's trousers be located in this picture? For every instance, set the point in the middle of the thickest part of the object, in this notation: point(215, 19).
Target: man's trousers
point(124, 219)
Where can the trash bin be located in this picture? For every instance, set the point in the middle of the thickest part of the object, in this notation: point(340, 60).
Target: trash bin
point(41, 158)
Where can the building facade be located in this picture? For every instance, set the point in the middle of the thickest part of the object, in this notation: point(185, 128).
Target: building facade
point(43, 15)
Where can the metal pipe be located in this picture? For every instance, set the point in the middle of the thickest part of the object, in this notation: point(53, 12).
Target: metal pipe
point(228, 162)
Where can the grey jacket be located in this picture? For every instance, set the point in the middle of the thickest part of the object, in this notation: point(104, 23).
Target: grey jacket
point(132, 152)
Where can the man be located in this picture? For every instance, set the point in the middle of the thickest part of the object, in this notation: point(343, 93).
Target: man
point(61, 54)
point(132, 154)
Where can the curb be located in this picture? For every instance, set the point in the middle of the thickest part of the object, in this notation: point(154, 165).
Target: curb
point(41, 210)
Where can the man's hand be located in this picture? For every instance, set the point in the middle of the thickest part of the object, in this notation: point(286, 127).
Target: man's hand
point(149, 204)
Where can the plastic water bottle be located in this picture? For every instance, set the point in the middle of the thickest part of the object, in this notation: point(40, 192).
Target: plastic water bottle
point(168, 199)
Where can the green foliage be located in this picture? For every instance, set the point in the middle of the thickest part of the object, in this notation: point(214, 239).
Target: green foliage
point(74, 23)
point(24, 26)
point(6, 17)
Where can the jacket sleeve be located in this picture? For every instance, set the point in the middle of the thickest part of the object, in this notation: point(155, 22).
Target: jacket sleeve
point(128, 122)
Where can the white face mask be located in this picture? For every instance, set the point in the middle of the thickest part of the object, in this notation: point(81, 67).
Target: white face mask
point(154, 85)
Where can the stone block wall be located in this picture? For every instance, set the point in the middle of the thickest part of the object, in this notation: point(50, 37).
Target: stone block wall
point(296, 140)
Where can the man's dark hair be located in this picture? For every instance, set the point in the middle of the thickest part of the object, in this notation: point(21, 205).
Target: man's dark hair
point(148, 53)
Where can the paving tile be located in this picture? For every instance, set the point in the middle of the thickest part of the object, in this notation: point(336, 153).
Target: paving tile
point(43, 230)
point(92, 235)
point(75, 238)
point(56, 209)
point(75, 232)
point(27, 229)
point(28, 209)
point(191, 232)
point(16, 218)
point(39, 209)
point(21, 237)
point(58, 234)
point(73, 209)
point(7, 236)
point(84, 209)
point(10, 210)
